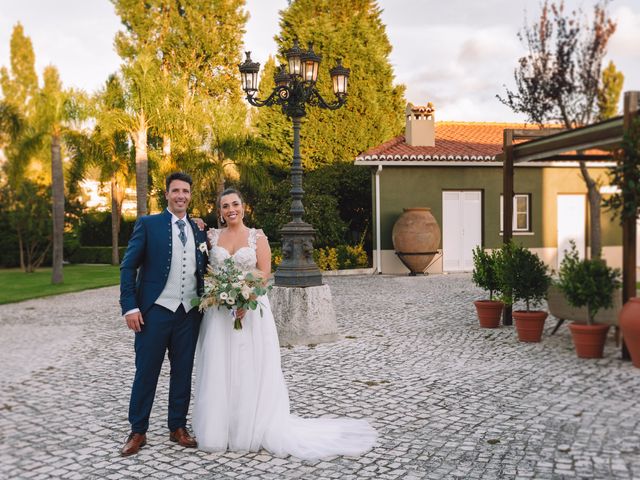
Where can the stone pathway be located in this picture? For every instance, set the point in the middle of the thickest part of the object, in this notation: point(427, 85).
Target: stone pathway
point(449, 399)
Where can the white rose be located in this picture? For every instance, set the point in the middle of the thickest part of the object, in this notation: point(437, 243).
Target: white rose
point(246, 292)
point(224, 296)
point(230, 301)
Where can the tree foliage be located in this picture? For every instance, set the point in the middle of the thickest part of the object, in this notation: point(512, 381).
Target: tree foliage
point(20, 83)
point(521, 275)
point(625, 175)
point(27, 210)
point(558, 81)
point(485, 274)
point(201, 126)
point(609, 92)
point(588, 282)
point(352, 31)
point(198, 40)
point(337, 199)
point(19, 137)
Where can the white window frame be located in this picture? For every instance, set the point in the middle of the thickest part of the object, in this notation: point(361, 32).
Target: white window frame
point(527, 196)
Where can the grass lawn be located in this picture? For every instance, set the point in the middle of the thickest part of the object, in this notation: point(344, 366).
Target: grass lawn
point(15, 285)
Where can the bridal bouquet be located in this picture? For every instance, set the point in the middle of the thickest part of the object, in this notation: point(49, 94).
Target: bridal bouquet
point(231, 288)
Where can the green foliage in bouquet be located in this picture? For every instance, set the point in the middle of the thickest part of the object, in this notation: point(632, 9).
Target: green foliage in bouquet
point(484, 274)
point(588, 282)
point(521, 275)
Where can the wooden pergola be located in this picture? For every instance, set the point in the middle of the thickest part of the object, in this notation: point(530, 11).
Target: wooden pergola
point(573, 145)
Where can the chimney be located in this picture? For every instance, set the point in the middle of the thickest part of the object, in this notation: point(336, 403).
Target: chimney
point(420, 130)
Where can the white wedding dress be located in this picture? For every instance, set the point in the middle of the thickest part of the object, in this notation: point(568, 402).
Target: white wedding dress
point(241, 399)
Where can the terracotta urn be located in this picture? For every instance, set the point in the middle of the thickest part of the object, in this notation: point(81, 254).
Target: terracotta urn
point(630, 326)
point(589, 340)
point(529, 325)
point(416, 238)
point(489, 312)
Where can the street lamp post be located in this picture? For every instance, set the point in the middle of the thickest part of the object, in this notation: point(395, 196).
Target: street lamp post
point(295, 87)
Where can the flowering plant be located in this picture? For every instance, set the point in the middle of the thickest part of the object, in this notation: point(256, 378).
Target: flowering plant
point(203, 247)
point(229, 287)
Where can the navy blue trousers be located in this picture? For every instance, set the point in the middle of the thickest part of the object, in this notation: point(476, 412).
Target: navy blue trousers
point(177, 333)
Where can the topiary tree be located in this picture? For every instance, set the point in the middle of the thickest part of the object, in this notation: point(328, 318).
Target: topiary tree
point(522, 275)
point(484, 270)
point(588, 282)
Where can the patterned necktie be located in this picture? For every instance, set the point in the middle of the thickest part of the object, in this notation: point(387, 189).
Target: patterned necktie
point(182, 235)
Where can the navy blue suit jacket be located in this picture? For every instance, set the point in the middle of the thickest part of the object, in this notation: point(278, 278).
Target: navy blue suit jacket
point(145, 267)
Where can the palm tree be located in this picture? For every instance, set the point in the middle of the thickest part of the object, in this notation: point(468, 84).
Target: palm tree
point(11, 123)
point(230, 152)
point(145, 91)
point(109, 151)
point(56, 111)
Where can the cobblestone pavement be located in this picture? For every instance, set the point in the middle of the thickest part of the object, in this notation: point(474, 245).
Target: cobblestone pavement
point(449, 399)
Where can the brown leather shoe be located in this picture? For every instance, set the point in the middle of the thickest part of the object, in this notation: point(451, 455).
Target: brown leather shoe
point(135, 441)
point(182, 437)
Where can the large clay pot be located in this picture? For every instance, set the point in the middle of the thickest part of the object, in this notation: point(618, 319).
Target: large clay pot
point(416, 238)
point(489, 312)
point(529, 325)
point(630, 326)
point(589, 340)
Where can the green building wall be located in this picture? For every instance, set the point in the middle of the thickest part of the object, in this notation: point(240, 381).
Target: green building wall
point(419, 186)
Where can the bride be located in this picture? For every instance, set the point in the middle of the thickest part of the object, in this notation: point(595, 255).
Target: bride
point(241, 399)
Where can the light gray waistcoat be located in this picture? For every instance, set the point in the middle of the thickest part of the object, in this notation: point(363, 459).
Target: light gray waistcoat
point(181, 286)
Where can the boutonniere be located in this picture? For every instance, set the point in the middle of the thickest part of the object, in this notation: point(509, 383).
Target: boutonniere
point(203, 247)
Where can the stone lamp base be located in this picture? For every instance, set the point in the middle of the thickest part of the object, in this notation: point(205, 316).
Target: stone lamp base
point(304, 315)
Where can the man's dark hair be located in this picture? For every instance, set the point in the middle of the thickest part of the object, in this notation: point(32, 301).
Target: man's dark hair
point(178, 176)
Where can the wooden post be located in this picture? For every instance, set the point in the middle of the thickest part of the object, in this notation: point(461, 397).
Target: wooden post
point(631, 107)
point(507, 202)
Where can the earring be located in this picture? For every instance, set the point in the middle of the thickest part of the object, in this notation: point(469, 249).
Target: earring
point(222, 221)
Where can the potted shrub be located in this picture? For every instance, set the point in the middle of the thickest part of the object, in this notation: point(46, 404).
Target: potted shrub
point(485, 276)
point(590, 283)
point(522, 276)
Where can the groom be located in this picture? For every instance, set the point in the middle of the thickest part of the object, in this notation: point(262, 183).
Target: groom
point(162, 271)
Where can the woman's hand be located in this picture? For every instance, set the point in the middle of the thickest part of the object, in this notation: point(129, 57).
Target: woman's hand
point(240, 313)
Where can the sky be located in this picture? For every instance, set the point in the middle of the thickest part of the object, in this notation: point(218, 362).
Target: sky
point(457, 54)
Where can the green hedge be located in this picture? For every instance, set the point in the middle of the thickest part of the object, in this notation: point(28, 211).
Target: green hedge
point(95, 229)
point(94, 255)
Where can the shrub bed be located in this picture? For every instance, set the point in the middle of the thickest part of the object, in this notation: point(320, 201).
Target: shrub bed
point(342, 257)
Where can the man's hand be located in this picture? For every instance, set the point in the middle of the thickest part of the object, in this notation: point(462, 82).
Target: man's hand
point(134, 321)
point(200, 223)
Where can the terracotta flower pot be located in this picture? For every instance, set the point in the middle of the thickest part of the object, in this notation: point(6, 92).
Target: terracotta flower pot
point(529, 325)
point(589, 340)
point(630, 327)
point(489, 312)
point(417, 234)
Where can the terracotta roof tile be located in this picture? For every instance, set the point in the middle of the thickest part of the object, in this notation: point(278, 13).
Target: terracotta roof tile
point(461, 141)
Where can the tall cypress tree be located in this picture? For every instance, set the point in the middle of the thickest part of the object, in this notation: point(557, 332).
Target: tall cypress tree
point(20, 84)
point(351, 30)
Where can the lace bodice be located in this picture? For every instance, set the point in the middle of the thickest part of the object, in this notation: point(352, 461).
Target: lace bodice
point(245, 257)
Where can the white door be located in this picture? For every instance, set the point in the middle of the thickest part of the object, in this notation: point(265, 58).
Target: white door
point(461, 229)
point(572, 217)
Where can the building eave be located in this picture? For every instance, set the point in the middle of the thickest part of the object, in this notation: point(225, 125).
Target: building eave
point(464, 162)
